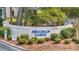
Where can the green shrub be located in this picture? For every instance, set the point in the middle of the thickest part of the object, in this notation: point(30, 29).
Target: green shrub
point(54, 36)
point(18, 37)
point(61, 37)
point(1, 21)
point(47, 39)
point(57, 40)
point(2, 29)
point(34, 39)
point(30, 41)
point(24, 36)
point(77, 41)
point(41, 40)
point(68, 33)
point(9, 37)
point(1, 32)
point(74, 39)
point(22, 40)
point(73, 30)
point(67, 41)
point(8, 30)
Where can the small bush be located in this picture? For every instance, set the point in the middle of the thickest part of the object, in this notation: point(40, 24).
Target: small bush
point(77, 41)
point(30, 41)
point(9, 37)
point(54, 36)
point(67, 42)
point(47, 39)
point(34, 39)
point(1, 32)
point(74, 39)
point(73, 30)
point(24, 36)
point(1, 21)
point(68, 33)
point(8, 30)
point(41, 40)
point(22, 40)
point(57, 40)
point(18, 38)
point(61, 37)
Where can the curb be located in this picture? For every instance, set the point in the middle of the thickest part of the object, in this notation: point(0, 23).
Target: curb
point(21, 48)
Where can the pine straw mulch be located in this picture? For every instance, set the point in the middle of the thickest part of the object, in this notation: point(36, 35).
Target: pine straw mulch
point(49, 46)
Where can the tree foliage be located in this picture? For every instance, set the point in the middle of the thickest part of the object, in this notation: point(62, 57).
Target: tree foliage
point(42, 16)
point(45, 16)
point(71, 12)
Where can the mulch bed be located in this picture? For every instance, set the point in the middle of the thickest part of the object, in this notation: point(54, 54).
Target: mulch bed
point(49, 46)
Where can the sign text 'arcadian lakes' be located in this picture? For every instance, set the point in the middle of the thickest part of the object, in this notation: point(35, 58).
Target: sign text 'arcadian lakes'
point(40, 32)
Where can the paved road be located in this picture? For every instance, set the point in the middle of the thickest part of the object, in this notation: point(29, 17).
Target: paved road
point(6, 47)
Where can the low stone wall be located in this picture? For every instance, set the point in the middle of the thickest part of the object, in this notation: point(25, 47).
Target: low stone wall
point(39, 32)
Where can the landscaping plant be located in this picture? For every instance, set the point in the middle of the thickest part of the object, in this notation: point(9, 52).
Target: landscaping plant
point(30, 41)
point(24, 36)
point(54, 36)
point(68, 32)
point(1, 22)
point(22, 40)
point(74, 39)
point(41, 40)
point(77, 41)
point(34, 39)
point(47, 39)
point(9, 37)
point(67, 41)
point(1, 32)
point(57, 40)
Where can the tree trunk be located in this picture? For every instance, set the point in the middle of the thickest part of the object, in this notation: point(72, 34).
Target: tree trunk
point(4, 13)
point(11, 15)
point(19, 16)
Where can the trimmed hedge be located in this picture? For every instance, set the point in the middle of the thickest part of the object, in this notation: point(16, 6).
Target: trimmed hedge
point(41, 40)
point(2, 32)
point(77, 41)
point(47, 39)
point(24, 36)
point(1, 22)
point(9, 37)
point(22, 39)
point(68, 33)
point(57, 40)
point(67, 41)
point(30, 41)
point(54, 36)
point(34, 39)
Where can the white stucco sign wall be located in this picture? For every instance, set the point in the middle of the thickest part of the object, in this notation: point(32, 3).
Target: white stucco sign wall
point(39, 32)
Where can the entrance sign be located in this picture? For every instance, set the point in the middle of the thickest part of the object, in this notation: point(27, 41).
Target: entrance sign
point(39, 32)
